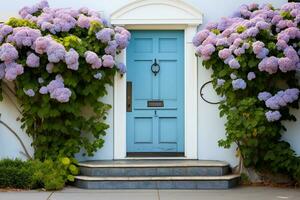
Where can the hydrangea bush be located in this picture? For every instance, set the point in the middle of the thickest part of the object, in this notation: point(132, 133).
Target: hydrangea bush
point(254, 55)
point(61, 60)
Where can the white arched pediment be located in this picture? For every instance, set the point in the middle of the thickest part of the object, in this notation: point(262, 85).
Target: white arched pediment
point(157, 12)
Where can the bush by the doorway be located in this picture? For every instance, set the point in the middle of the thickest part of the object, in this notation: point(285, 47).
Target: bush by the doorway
point(254, 57)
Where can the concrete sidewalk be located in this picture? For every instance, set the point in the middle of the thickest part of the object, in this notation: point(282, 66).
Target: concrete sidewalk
point(241, 193)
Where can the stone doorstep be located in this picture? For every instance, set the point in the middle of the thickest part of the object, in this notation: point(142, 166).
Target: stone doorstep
point(160, 178)
point(152, 164)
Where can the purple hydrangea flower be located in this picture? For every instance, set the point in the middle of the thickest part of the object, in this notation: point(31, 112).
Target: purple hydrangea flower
point(224, 53)
point(291, 53)
point(233, 76)
point(239, 51)
point(43, 90)
point(207, 50)
point(41, 44)
point(281, 44)
point(269, 64)
point(273, 116)
point(222, 42)
point(259, 50)
point(24, 36)
point(264, 96)
point(54, 84)
point(29, 92)
point(33, 60)
point(62, 95)
point(220, 82)
point(84, 21)
point(8, 53)
point(111, 48)
point(12, 70)
point(105, 35)
point(122, 40)
point(234, 64)
point(251, 76)
point(98, 76)
point(286, 64)
point(200, 37)
point(251, 32)
point(93, 59)
point(108, 61)
point(71, 59)
point(282, 98)
point(122, 68)
point(239, 84)
point(5, 30)
point(262, 25)
point(56, 52)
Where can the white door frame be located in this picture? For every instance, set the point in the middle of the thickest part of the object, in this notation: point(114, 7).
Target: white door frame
point(169, 15)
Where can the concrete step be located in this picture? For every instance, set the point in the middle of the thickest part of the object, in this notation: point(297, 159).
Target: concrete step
point(133, 168)
point(157, 182)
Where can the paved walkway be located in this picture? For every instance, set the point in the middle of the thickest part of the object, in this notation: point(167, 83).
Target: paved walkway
point(241, 193)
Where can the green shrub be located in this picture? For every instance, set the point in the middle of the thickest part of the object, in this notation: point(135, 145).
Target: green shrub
point(15, 174)
point(51, 175)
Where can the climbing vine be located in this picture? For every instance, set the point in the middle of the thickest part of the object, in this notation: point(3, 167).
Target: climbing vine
point(254, 56)
point(61, 61)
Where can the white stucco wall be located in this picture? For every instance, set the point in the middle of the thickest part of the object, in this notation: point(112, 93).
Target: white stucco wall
point(210, 126)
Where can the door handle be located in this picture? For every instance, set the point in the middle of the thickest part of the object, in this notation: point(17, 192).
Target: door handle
point(129, 96)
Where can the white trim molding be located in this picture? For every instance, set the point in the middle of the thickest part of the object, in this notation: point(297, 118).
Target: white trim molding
point(157, 12)
point(169, 15)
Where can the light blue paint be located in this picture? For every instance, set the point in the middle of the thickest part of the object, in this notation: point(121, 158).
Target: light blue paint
point(156, 129)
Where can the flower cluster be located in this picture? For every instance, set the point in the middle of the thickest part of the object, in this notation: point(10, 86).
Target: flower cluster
point(235, 33)
point(57, 90)
point(267, 35)
point(36, 45)
point(59, 20)
point(279, 100)
point(117, 39)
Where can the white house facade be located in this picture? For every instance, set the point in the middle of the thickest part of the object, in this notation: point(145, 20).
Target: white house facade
point(157, 99)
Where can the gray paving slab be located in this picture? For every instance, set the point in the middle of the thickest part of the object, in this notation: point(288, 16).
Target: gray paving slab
point(105, 195)
point(26, 195)
point(241, 193)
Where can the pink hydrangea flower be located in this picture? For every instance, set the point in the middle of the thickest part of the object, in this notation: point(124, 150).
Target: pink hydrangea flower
point(269, 64)
point(49, 67)
point(224, 53)
point(33, 60)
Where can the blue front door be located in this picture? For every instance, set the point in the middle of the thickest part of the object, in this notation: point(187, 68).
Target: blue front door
point(155, 119)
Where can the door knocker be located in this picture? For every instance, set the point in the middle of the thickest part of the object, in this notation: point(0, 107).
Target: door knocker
point(155, 68)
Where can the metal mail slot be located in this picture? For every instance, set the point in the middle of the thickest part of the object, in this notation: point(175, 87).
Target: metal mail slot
point(155, 103)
